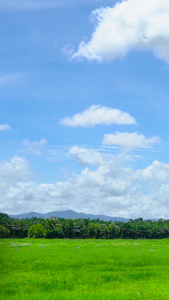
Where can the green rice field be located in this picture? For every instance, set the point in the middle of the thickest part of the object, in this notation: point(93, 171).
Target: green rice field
point(43, 269)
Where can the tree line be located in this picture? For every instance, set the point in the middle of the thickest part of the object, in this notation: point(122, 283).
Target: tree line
point(51, 228)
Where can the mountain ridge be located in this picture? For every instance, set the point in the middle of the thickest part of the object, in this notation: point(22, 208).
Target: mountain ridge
point(68, 214)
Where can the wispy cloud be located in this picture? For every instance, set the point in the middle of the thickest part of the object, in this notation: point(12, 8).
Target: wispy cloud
point(4, 127)
point(86, 156)
point(129, 25)
point(129, 140)
point(9, 79)
point(29, 4)
point(97, 114)
point(25, 5)
point(35, 147)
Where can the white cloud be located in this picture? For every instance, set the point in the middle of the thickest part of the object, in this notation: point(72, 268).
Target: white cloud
point(17, 169)
point(33, 147)
point(129, 25)
point(112, 189)
point(85, 156)
point(11, 172)
point(158, 172)
point(97, 114)
point(4, 127)
point(129, 140)
point(89, 191)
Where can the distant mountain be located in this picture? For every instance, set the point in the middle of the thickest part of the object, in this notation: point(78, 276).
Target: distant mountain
point(68, 214)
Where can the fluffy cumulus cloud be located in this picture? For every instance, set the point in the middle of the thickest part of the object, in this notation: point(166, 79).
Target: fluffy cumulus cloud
point(35, 147)
point(97, 114)
point(156, 173)
point(92, 191)
point(129, 25)
point(17, 169)
point(129, 140)
point(112, 188)
point(4, 127)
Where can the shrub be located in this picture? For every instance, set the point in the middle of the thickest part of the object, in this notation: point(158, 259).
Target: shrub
point(4, 232)
point(36, 231)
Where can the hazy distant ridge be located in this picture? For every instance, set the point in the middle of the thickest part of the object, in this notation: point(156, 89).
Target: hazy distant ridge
point(68, 214)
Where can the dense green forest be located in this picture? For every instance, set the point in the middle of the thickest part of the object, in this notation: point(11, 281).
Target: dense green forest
point(51, 228)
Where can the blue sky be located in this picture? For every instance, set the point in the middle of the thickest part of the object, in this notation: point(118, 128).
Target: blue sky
point(84, 107)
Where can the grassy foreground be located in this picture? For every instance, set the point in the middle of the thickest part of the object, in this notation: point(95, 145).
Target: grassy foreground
point(84, 269)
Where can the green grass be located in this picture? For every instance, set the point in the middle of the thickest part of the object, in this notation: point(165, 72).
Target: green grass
point(84, 269)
